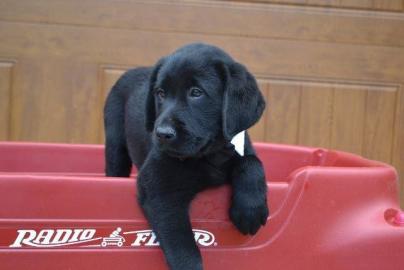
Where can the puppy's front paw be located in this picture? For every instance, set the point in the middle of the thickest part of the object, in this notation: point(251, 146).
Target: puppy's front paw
point(248, 214)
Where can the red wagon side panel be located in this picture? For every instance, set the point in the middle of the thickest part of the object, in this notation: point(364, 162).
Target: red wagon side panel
point(329, 210)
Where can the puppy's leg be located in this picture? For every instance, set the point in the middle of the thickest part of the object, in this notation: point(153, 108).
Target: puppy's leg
point(249, 208)
point(169, 219)
point(117, 159)
point(165, 189)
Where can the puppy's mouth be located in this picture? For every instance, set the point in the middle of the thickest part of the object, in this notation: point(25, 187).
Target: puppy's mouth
point(177, 154)
point(197, 149)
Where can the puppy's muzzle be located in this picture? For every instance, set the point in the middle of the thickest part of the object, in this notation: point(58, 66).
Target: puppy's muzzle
point(165, 133)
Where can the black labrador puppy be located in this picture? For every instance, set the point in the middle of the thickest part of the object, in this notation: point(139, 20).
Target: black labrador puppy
point(175, 122)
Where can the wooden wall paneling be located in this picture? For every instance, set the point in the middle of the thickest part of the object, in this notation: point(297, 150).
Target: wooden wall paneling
point(379, 124)
point(85, 100)
point(390, 5)
point(108, 76)
point(398, 146)
point(316, 115)
point(319, 60)
point(284, 109)
point(219, 18)
point(54, 100)
point(27, 83)
point(348, 125)
point(6, 79)
point(394, 5)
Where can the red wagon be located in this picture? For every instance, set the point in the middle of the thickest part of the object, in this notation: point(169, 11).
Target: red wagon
point(329, 210)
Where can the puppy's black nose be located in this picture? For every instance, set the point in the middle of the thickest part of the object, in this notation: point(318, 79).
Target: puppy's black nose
point(165, 133)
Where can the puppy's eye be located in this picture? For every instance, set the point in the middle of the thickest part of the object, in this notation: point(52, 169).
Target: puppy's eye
point(160, 93)
point(195, 92)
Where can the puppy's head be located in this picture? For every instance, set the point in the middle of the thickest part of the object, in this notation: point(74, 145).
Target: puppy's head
point(199, 98)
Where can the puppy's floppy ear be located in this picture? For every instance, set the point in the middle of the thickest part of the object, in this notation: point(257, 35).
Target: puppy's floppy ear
point(150, 103)
point(243, 103)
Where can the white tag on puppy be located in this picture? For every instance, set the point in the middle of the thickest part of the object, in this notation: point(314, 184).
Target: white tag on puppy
point(238, 141)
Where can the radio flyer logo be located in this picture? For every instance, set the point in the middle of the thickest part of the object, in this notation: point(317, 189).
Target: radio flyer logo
point(90, 238)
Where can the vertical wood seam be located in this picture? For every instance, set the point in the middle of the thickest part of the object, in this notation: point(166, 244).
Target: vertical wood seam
point(397, 96)
point(10, 65)
point(101, 94)
point(365, 119)
point(331, 117)
point(10, 101)
point(299, 110)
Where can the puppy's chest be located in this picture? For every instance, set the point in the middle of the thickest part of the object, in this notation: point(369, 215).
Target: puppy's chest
point(163, 173)
point(200, 174)
point(216, 170)
point(205, 171)
point(195, 177)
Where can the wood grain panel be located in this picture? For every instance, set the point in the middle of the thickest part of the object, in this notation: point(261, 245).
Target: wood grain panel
point(315, 115)
point(283, 118)
point(398, 146)
point(219, 18)
point(391, 5)
point(5, 98)
point(109, 75)
point(355, 118)
point(54, 100)
point(267, 56)
point(379, 124)
point(396, 5)
point(349, 108)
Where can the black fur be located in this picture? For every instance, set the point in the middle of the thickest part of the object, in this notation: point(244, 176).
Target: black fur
point(174, 121)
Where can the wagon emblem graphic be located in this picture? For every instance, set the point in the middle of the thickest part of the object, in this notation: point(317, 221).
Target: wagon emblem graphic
point(114, 239)
point(93, 238)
